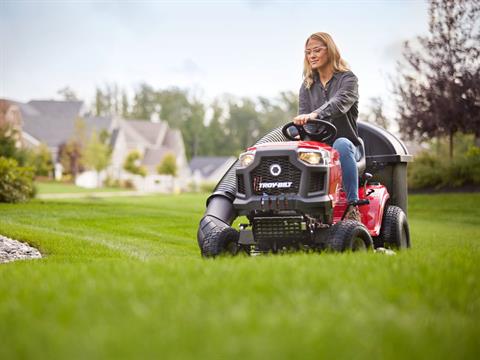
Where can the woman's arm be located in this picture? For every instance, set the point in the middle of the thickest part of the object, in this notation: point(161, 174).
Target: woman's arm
point(342, 101)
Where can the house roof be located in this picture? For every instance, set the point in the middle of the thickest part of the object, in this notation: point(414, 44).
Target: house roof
point(153, 157)
point(50, 121)
point(59, 109)
point(173, 139)
point(150, 131)
point(131, 135)
point(207, 165)
point(28, 110)
point(53, 122)
point(98, 122)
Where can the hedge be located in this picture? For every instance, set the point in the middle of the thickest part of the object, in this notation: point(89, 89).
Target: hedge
point(16, 182)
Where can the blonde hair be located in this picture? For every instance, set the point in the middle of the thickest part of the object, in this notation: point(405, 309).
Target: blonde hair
point(339, 65)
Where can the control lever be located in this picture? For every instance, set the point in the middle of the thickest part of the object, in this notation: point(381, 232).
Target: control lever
point(367, 177)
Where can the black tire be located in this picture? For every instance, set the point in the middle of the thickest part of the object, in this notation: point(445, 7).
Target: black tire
point(395, 232)
point(220, 241)
point(349, 235)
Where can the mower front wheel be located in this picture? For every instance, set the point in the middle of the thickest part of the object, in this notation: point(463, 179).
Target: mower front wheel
point(220, 241)
point(349, 235)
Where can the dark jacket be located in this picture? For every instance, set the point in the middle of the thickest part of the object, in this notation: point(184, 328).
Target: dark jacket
point(338, 103)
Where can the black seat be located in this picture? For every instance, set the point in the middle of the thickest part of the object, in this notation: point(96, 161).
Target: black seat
point(360, 157)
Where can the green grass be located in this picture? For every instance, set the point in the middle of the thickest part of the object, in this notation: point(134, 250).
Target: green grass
point(123, 279)
point(64, 188)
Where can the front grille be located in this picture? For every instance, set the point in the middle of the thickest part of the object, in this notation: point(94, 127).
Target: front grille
point(274, 228)
point(317, 182)
point(289, 173)
point(240, 184)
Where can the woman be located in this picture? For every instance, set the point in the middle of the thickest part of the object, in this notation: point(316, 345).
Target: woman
point(330, 92)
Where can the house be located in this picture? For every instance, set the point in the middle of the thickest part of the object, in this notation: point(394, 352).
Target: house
point(209, 169)
point(153, 140)
point(11, 116)
point(54, 123)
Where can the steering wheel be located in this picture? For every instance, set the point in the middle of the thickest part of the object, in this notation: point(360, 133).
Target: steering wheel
point(322, 131)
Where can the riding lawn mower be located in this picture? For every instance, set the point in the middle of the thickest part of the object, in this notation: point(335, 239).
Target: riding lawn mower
point(288, 186)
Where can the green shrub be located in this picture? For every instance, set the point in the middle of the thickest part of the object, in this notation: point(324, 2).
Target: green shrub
point(42, 161)
point(133, 165)
point(168, 165)
point(16, 182)
point(111, 182)
point(432, 171)
point(425, 171)
point(467, 167)
point(9, 148)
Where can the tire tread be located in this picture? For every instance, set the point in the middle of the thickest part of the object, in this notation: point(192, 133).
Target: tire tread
point(216, 241)
point(343, 231)
point(390, 231)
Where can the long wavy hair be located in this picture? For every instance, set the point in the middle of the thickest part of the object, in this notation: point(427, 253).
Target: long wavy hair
point(339, 65)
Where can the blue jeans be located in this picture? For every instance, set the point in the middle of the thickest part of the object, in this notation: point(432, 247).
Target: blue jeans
point(348, 160)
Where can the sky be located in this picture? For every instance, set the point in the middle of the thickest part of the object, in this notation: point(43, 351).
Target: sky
point(244, 48)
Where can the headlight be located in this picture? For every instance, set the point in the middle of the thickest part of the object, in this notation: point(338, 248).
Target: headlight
point(318, 157)
point(246, 158)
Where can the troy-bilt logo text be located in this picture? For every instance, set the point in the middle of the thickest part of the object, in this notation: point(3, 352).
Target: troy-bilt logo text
point(275, 185)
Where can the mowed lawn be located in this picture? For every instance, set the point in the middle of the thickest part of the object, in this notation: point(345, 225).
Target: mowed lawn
point(54, 187)
point(123, 278)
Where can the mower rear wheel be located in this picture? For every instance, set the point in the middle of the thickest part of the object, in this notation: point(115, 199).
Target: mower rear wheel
point(349, 235)
point(220, 241)
point(395, 232)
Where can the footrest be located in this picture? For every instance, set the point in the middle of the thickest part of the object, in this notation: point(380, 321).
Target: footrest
point(360, 202)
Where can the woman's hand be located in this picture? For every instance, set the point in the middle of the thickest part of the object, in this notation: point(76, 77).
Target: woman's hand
point(303, 118)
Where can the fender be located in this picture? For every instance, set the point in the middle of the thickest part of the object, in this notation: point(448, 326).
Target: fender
point(372, 214)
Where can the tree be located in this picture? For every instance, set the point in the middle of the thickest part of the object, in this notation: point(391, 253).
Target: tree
point(133, 165)
point(376, 114)
point(276, 112)
point(125, 105)
point(289, 103)
point(42, 161)
point(192, 129)
point(111, 100)
point(97, 154)
point(215, 140)
point(100, 103)
point(243, 123)
point(144, 102)
point(175, 106)
point(168, 165)
point(68, 94)
point(71, 152)
point(438, 92)
point(10, 145)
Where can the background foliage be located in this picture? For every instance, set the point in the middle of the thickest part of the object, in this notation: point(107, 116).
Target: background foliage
point(437, 90)
point(168, 165)
point(225, 126)
point(16, 182)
